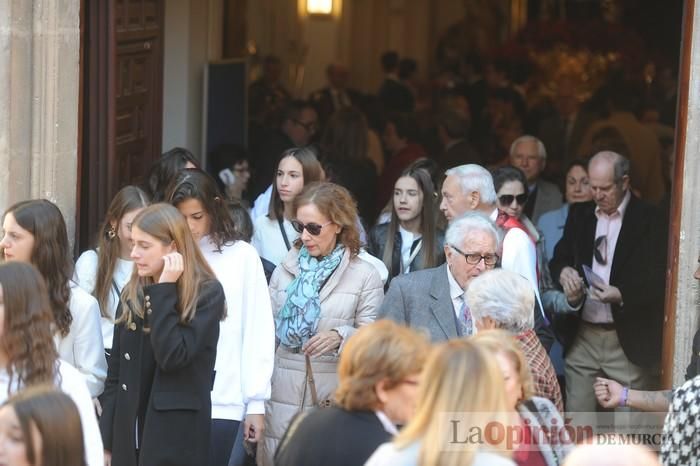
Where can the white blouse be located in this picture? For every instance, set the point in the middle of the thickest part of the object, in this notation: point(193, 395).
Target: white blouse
point(268, 239)
point(82, 347)
point(86, 277)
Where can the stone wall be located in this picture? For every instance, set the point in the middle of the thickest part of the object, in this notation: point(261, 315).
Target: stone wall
point(39, 94)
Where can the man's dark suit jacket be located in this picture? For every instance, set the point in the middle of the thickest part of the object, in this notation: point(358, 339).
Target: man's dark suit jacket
point(635, 272)
point(331, 436)
point(322, 100)
point(396, 96)
point(459, 154)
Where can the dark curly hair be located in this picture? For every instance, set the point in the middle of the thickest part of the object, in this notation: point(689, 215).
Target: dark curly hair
point(51, 253)
point(193, 183)
point(27, 334)
point(165, 169)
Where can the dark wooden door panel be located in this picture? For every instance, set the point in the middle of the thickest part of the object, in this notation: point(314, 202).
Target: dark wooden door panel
point(122, 104)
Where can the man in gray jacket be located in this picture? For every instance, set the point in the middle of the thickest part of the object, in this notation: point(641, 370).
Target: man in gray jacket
point(433, 299)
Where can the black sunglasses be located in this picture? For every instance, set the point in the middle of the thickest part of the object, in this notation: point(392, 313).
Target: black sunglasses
point(507, 199)
point(314, 229)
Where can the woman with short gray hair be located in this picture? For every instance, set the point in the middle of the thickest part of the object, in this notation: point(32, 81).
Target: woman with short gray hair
point(501, 299)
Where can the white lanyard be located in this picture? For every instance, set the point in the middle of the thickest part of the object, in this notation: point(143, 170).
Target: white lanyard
point(405, 266)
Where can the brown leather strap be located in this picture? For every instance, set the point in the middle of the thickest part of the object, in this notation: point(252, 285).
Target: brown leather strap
point(311, 382)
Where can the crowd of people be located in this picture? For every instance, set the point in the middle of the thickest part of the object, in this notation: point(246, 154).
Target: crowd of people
point(345, 305)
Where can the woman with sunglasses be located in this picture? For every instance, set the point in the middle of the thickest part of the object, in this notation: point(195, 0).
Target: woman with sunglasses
point(245, 351)
point(35, 232)
point(520, 252)
point(273, 234)
point(411, 240)
point(321, 293)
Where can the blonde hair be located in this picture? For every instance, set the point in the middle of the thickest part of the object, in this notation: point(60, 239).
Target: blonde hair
point(379, 351)
point(166, 224)
point(500, 341)
point(459, 377)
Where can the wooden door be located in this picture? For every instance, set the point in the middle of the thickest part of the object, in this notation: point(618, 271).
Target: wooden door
point(138, 87)
point(121, 102)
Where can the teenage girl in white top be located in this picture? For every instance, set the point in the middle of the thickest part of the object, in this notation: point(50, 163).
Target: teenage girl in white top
point(35, 232)
point(104, 271)
point(28, 356)
point(273, 234)
point(245, 351)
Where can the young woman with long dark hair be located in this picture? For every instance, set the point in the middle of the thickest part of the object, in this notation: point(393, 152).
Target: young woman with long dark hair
point(245, 352)
point(105, 270)
point(410, 241)
point(28, 356)
point(165, 169)
point(35, 232)
point(273, 234)
point(156, 404)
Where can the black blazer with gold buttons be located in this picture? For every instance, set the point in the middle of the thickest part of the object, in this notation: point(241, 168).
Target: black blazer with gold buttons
point(159, 381)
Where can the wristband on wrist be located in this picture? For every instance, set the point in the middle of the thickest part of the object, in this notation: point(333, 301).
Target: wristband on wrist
point(625, 395)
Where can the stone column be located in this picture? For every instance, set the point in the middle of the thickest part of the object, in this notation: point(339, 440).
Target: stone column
point(686, 243)
point(39, 92)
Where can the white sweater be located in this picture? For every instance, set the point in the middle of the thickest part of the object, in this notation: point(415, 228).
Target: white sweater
point(72, 384)
point(268, 240)
point(85, 276)
point(82, 347)
point(246, 349)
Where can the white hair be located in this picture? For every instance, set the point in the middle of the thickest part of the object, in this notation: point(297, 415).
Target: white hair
point(465, 224)
point(505, 297)
point(474, 177)
point(541, 151)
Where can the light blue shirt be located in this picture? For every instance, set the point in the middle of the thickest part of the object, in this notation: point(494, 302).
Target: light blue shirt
point(551, 224)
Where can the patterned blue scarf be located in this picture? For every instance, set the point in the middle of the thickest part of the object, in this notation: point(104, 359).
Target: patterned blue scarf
point(297, 321)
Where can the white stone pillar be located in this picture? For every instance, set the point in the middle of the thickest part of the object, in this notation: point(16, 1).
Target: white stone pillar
point(686, 254)
point(39, 89)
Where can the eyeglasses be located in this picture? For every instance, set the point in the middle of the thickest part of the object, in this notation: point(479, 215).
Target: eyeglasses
point(507, 199)
point(473, 258)
point(310, 126)
point(600, 250)
point(314, 229)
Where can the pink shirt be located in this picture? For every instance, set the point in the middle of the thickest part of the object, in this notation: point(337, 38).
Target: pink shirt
point(608, 226)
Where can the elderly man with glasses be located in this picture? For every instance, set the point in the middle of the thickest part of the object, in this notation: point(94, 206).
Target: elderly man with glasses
point(610, 242)
point(434, 299)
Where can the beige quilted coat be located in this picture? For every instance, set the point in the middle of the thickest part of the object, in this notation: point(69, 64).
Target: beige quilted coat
point(349, 299)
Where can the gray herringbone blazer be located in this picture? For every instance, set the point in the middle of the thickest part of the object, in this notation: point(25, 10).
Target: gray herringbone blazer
point(421, 300)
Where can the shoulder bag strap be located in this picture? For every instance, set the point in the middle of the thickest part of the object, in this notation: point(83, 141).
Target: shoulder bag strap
point(284, 233)
point(311, 382)
point(116, 289)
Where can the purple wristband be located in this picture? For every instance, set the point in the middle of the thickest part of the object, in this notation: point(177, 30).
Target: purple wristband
point(623, 398)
